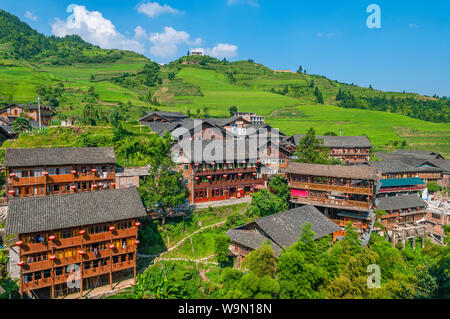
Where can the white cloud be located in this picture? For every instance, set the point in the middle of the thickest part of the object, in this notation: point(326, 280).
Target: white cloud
point(140, 33)
point(221, 50)
point(165, 44)
point(31, 16)
point(154, 9)
point(92, 27)
point(253, 3)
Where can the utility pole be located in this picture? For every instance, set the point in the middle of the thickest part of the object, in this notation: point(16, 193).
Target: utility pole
point(39, 110)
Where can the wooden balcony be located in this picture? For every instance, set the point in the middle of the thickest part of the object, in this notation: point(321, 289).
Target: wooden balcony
point(76, 259)
point(230, 183)
point(332, 188)
point(60, 179)
point(343, 223)
point(63, 278)
point(333, 203)
point(224, 171)
point(27, 249)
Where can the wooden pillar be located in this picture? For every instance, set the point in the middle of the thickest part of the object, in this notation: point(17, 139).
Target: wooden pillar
point(393, 238)
point(110, 263)
point(423, 236)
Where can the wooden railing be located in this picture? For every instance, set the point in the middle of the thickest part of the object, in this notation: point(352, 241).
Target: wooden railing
point(224, 171)
point(63, 178)
point(330, 187)
point(343, 223)
point(222, 183)
point(329, 201)
point(27, 249)
point(75, 259)
point(63, 278)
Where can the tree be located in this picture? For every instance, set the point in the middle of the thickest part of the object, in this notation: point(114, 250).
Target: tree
point(21, 124)
point(261, 261)
point(311, 150)
point(265, 203)
point(163, 188)
point(221, 243)
point(278, 185)
point(233, 109)
point(311, 84)
point(330, 133)
point(171, 76)
point(433, 187)
point(318, 95)
point(300, 69)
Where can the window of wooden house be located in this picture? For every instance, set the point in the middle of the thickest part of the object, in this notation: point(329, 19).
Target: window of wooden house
point(37, 275)
point(47, 273)
point(59, 271)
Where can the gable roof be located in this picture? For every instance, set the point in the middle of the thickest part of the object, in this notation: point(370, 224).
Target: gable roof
point(283, 229)
point(338, 141)
point(164, 114)
point(399, 202)
point(355, 172)
point(400, 166)
point(25, 157)
point(36, 214)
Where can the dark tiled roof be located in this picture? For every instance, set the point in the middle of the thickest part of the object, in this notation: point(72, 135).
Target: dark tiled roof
point(251, 239)
point(338, 141)
point(400, 166)
point(218, 151)
point(355, 172)
point(285, 228)
point(419, 154)
point(162, 127)
point(35, 214)
point(24, 157)
point(399, 202)
point(165, 114)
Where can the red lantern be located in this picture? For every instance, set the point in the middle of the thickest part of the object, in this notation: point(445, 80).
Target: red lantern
point(52, 257)
point(196, 164)
point(409, 209)
point(94, 186)
point(390, 212)
point(399, 210)
point(81, 232)
point(73, 187)
point(51, 237)
point(12, 175)
point(81, 252)
point(196, 178)
point(224, 175)
point(258, 161)
point(45, 173)
point(240, 174)
point(136, 242)
point(418, 208)
point(11, 192)
point(111, 246)
point(243, 162)
point(137, 224)
point(73, 172)
point(111, 228)
point(213, 163)
point(209, 176)
point(228, 163)
point(253, 174)
point(19, 243)
point(20, 263)
point(113, 184)
point(93, 170)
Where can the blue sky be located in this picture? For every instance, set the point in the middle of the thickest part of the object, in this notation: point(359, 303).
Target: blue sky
point(411, 50)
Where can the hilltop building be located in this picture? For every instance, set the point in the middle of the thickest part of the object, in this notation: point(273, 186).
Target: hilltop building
point(93, 233)
point(52, 171)
point(281, 230)
point(251, 117)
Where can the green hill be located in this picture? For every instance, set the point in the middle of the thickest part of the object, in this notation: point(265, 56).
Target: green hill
point(88, 84)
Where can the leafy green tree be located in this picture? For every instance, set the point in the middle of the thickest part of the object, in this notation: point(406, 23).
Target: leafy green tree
point(433, 187)
point(163, 188)
point(265, 203)
point(300, 69)
point(21, 124)
point(278, 185)
point(318, 95)
point(261, 261)
point(221, 244)
point(233, 109)
point(311, 150)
